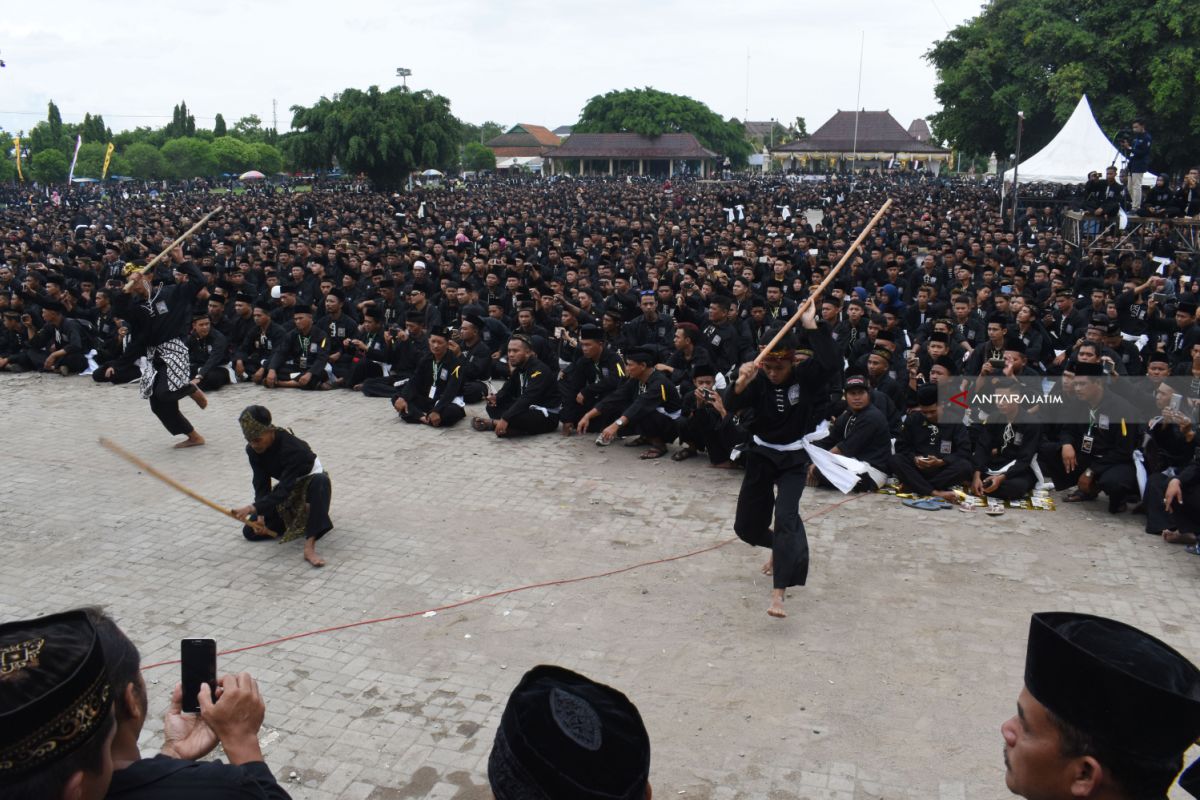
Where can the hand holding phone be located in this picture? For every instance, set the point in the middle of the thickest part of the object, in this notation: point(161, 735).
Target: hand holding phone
point(198, 664)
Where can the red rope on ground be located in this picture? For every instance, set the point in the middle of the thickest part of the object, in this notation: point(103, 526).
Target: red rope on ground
point(490, 595)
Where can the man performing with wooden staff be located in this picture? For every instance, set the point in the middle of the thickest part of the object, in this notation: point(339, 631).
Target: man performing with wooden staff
point(298, 504)
point(781, 393)
point(159, 319)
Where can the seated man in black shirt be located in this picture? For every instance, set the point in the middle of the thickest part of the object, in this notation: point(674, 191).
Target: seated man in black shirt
point(860, 433)
point(930, 458)
point(233, 722)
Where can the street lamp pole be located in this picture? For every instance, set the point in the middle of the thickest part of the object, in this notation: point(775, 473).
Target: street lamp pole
point(1016, 167)
point(402, 73)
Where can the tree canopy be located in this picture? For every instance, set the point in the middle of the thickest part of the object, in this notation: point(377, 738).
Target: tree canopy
point(1038, 56)
point(650, 112)
point(384, 135)
point(49, 166)
point(476, 157)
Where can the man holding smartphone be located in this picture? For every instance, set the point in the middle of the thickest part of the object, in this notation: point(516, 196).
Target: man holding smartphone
point(233, 720)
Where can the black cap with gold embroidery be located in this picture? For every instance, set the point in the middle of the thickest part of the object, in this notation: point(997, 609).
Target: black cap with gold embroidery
point(54, 691)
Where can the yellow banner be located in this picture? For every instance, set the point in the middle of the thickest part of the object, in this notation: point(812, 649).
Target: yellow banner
point(17, 150)
point(107, 157)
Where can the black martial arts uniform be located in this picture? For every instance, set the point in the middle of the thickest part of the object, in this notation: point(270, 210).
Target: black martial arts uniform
point(920, 437)
point(162, 776)
point(1008, 448)
point(435, 386)
point(592, 379)
point(651, 408)
point(776, 466)
point(528, 400)
point(298, 503)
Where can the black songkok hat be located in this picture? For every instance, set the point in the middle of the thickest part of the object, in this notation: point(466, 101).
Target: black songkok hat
point(372, 312)
point(302, 308)
point(1157, 356)
point(1088, 368)
point(52, 305)
point(54, 692)
point(415, 316)
point(939, 336)
point(200, 310)
point(704, 370)
point(474, 319)
point(244, 297)
point(1015, 343)
point(1116, 683)
point(642, 355)
point(927, 394)
point(563, 735)
point(1186, 306)
point(440, 330)
point(591, 333)
point(264, 305)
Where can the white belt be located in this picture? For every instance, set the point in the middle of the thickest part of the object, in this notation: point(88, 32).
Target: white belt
point(546, 411)
point(458, 401)
point(672, 414)
point(317, 469)
point(783, 448)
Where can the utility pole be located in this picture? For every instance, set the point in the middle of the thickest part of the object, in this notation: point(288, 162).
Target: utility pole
point(1016, 167)
point(274, 114)
point(402, 73)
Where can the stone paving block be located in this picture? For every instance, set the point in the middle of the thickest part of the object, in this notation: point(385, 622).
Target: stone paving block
point(901, 658)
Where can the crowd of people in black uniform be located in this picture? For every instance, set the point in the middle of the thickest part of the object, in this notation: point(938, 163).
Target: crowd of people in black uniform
point(635, 310)
point(625, 310)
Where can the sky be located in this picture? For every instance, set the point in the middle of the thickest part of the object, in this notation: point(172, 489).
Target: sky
point(510, 61)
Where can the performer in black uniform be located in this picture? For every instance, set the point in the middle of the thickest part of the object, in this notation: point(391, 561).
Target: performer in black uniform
point(298, 504)
point(160, 319)
point(781, 394)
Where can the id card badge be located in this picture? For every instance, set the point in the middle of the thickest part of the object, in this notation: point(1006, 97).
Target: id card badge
point(432, 390)
point(946, 446)
point(1086, 445)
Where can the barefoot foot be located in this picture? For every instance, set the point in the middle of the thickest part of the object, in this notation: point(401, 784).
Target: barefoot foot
point(310, 553)
point(193, 440)
point(768, 566)
point(776, 609)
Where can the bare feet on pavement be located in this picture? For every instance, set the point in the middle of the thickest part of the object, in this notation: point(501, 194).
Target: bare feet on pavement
point(193, 440)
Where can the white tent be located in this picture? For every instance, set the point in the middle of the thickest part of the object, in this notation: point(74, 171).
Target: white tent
point(1079, 148)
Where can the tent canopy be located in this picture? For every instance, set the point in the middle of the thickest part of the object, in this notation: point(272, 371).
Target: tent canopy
point(1076, 150)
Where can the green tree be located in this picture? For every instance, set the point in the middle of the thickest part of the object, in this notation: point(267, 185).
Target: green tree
point(476, 157)
point(266, 158)
point(1038, 56)
point(93, 129)
point(49, 166)
point(799, 129)
point(650, 112)
point(8, 168)
point(91, 160)
point(189, 157)
point(219, 126)
point(385, 135)
point(182, 123)
point(139, 160)
point(231, 155)
point(480, 133)
point(249, 128)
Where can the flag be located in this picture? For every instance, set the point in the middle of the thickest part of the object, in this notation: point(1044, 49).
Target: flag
point(17, 149)
point(74, 158)
point(107, 157)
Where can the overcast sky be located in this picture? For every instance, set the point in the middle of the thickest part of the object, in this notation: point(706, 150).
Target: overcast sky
point(510, 61)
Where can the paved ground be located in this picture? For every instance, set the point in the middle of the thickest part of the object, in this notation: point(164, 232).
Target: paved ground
point(890, 679)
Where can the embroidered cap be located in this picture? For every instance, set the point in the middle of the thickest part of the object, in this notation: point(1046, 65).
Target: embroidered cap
point(54, 691)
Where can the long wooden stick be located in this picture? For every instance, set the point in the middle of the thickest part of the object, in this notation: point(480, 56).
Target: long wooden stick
point(181, 239)
point(832, 274)
point(174, 484)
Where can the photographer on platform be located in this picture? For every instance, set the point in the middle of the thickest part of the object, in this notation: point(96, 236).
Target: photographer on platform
point(1135, 146)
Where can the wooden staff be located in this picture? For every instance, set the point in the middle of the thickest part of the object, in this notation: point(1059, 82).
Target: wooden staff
point(180, 240)
point(257, 525)
point(832, 273)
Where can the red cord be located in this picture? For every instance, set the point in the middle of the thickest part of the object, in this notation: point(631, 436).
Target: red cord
point(490, 595)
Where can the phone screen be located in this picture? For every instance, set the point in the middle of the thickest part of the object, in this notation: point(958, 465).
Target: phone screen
point(198, 660)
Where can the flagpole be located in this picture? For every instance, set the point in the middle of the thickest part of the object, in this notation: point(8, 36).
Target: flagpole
point(857, 102)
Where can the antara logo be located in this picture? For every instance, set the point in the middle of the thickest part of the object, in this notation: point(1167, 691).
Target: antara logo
point(960, 399)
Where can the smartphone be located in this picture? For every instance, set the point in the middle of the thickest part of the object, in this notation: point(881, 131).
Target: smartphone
point(1159, 297)
point(198, 659)
point(1175, 401)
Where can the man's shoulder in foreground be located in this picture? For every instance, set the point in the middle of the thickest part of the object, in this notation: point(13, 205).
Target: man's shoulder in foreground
point(165, 777)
